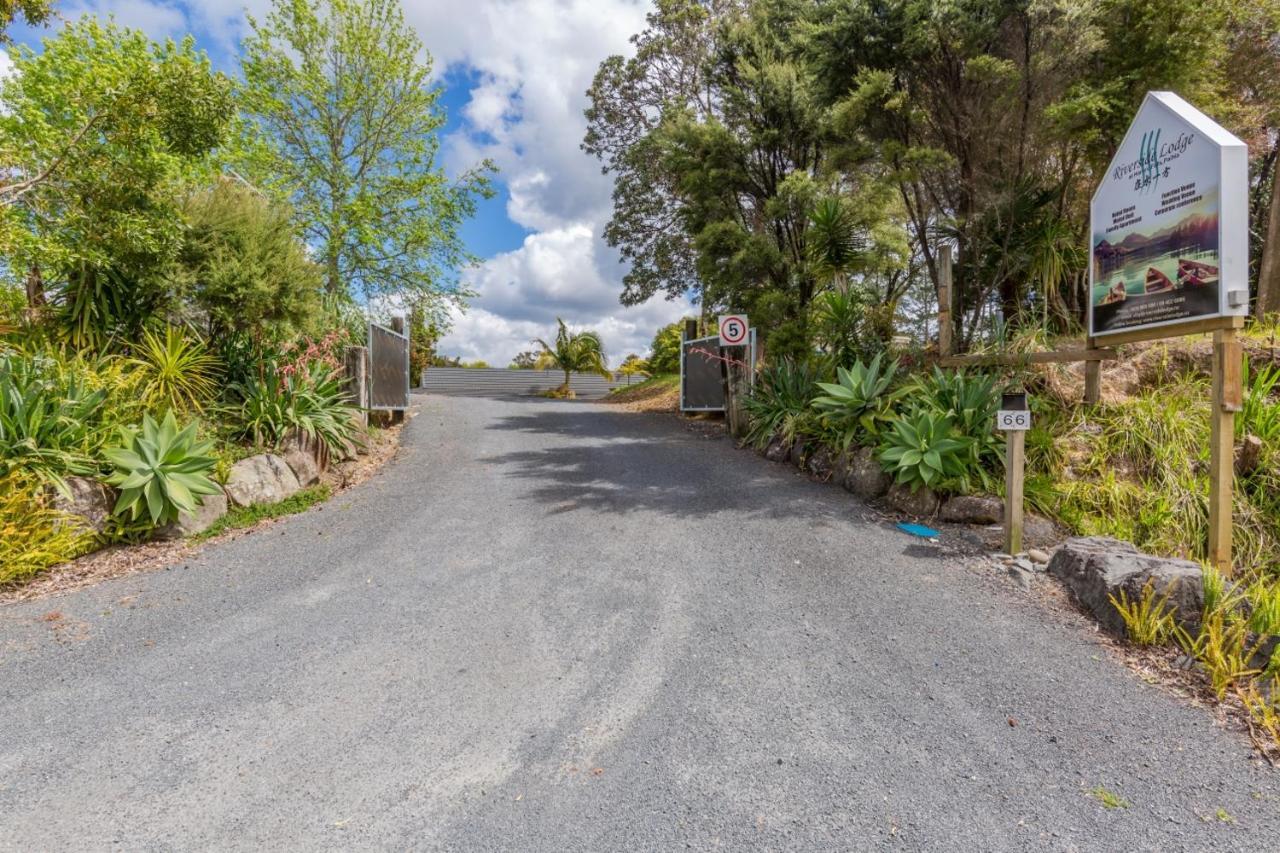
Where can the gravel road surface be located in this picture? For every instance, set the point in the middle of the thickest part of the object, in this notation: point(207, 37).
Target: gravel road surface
point(556, 626)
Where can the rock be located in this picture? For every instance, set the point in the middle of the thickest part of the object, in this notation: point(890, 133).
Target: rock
point(299, 453)
point(866, 478)
point(1096, 567)
point(261, 479)
point(778, 450)
point(821, 463)
point(1037, 530)
point(797, 454)
point(1038, 556)
point(922, 503)
point(1021, 575)
point(1024, 564)
point(89, 502)
point(973, 509)
point(1248, 454)
point(213, 508)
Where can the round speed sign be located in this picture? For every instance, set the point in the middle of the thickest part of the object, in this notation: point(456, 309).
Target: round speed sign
point(733, 330)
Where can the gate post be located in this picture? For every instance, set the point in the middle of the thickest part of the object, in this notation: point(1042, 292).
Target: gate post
point(355, 364)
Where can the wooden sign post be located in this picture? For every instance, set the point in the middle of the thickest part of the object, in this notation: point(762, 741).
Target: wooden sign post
point(1014, 419)
point(1228, 397)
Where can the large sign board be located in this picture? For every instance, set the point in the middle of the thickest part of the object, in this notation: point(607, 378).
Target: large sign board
point(1169, 223)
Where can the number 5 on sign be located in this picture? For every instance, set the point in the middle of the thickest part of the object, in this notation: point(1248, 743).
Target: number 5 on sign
point(1013, 421)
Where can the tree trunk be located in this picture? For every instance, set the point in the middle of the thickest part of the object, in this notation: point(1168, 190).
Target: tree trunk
point(1269, 266)
point(35, 290)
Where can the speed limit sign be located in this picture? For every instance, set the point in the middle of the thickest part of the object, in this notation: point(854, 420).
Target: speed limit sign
point(733, 330)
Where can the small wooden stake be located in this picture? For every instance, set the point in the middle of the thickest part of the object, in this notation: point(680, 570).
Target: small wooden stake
point(945, 296)
point(1227, 398)
point(1092, 378)
point(1014, 464)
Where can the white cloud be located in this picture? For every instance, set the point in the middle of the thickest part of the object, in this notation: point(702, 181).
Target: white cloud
point(155, 18)
point(6, 64)
point(534, 60)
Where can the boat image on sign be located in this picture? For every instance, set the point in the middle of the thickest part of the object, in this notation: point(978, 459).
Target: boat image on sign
point(1117, 293)
point(1157, 282)
point(1196, 274)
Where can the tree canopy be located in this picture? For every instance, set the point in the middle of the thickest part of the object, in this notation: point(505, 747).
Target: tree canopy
point(342, 121)
point(774, 155)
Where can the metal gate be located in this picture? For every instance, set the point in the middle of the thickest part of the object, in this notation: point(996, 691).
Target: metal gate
point(388, 369)
point(701, 373)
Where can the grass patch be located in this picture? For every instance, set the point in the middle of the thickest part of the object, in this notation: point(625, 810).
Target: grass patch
point(1109, 799)
point(663, 381)
point(241, 517)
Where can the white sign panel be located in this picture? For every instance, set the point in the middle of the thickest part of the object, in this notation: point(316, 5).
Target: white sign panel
point(1013, 421)
point(1169, 223)
point(733, 330)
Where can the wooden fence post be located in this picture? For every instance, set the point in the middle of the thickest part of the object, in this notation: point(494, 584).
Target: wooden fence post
point(1228, 393)
point(355, 364)
point(946, 298)
point(1092, 377)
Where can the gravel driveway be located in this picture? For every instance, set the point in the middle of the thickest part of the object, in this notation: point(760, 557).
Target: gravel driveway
point(557, 626)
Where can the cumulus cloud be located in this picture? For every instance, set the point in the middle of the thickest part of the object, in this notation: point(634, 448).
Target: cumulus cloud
point(533, 61)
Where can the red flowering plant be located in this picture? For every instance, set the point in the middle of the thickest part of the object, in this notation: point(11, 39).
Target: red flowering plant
point(310, 358)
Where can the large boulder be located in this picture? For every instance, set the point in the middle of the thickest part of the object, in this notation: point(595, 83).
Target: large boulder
point(822, 463)
point(87, 502)
point(779, 450)
point(210, 510)
point(261, 479)
point(1096, 567)
point(799, 453)
point(972, 509)
point(920, 503)
point(299, 452)
point(865, 477)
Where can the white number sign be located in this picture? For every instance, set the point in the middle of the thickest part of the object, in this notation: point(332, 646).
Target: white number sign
point(733, 330)
point(1013, 421)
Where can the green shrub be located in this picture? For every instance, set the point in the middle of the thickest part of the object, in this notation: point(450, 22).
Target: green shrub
point(47, 418)
point(178, 374)
point(779, 403)
point(854, 408)
point(919, 450)
point(310, 400)
point(160, 470)
point(1264, 603)
point(33, 536)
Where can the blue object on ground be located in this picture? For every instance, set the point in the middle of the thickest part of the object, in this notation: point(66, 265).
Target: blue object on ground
point(919, 530)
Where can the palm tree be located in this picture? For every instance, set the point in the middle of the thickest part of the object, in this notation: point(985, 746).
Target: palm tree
point(580, 352)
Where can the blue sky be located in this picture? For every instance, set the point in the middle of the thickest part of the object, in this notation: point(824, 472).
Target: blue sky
point(513, 74)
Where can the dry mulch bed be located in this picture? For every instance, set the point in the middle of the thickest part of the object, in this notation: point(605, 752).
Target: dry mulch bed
point(121, 560)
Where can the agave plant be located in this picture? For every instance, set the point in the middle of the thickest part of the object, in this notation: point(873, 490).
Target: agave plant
point(971, 401)
point(161, 471)
point(920, 450)
point(179, 373)
point(854, 406)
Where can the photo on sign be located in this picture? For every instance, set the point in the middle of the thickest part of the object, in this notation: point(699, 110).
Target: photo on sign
point(1158, 217)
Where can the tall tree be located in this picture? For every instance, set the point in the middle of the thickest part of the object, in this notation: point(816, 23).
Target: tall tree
point(629, 98)
point(344, 122)
point(31, 11)
point(102, 132)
